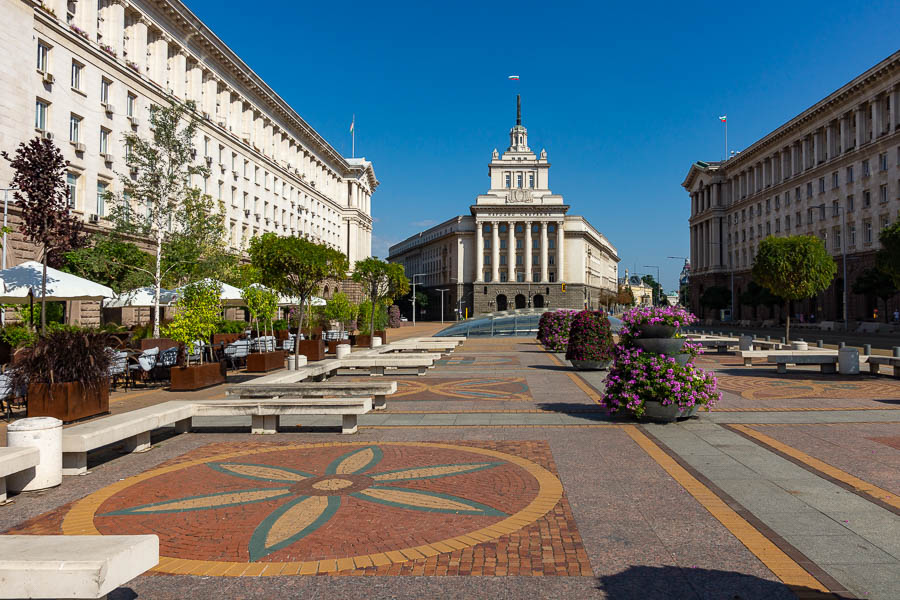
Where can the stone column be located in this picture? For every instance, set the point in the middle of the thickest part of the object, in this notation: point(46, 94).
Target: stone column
point(895, 108)
point(804, 146)
point(793, 159)
point(511, 251)
point(842, 125)
point(495, 251)
point(115, 26)
point(829, 152)
point(860, 125)
point(560, 251)
point(876, 118)
point(479, 252)
point(544, 266)
point(527, 259)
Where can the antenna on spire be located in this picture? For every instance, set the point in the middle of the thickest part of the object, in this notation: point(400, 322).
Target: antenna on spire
point(518, 109)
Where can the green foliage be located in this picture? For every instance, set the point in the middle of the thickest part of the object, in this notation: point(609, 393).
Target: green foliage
point(365, 321)
point(382, 282)
point(197, 313)
point(794, 268)
point(261, 302)
point(295, 267)
point(17, 336)
point(340, 309)
point(716, 297)
point(590, 337)
point(888, 258)
point(656, 288)
point(279, 325)
point(625, 296)
point(55, 312)
point(226, 326)
point(756, 295)
point(875, 282)
point(111, 261)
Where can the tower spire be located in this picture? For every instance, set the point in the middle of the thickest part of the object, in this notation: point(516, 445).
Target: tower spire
point(518, 109)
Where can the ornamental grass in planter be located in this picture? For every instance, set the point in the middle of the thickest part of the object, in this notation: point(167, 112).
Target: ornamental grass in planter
point(65, 374)
point(553, 329)
point(590, 345)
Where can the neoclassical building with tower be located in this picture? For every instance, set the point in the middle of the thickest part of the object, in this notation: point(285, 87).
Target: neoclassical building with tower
point(518, 247)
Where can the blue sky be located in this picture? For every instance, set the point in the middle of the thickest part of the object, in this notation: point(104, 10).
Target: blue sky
point(624, 96)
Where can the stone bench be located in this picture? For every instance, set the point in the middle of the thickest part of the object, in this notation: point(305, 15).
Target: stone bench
point(328, 389)
point(134, 427)
point(749, 355)
point(72, 566)
point(827, 362)
point(15, 460)
point(720, 345)
point(378, 363)
point(876, 362)
point(265, 413)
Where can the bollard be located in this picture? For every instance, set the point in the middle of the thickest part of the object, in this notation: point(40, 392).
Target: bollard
point(45, 434)
point(342, 350)
point(848, 361)
point(292, 362)
point(896, 351)
point(800, 340)
point(820, 344)
point(842, 344)
point(867, 349)
point(783, 340)
point(769, 338)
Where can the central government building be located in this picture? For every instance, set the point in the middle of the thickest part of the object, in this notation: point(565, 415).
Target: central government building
point(517, 248)
point(833, 171)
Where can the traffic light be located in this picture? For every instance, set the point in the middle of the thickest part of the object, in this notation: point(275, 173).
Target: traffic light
point(564, 288)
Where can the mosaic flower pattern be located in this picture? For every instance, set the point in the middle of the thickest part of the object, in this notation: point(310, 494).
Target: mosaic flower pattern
point(310, 500)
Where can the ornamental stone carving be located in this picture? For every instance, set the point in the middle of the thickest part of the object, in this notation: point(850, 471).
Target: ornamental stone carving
point(518, 196)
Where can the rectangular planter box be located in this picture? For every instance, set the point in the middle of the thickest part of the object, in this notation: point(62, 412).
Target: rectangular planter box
point(364, 340)
point(161, 343)
point(227, 338)
point(260, 362)
point(333, 344)
point(185, 379)
point(313, 349)
point(68, 401)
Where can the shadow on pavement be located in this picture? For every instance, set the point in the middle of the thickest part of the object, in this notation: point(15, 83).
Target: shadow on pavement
point(562, 368)
point(672, 583)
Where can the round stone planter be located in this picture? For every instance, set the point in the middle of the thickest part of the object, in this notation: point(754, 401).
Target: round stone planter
point(591, 365)
point(660, 345)
point(45, 434)
point(655, 331)
point(656, 411)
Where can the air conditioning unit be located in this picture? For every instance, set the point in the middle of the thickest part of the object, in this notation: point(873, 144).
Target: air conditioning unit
point(134, 121)
point(94, 218)
point(48, 77)
point(79, 147)
point(109, 108)
point(206, 115)
point(257, 217)
point(209, 161)
point(193, 153)
point(221, 124)
point(235, 174)
point(107, 158)
point(247, 212)
point(222, 167)
point(134, 171)
point(47, 135)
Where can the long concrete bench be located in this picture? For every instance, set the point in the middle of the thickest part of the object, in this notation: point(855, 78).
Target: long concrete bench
point(72, 566)
point(749, 355)
point(378, 363)
point(265, 413)
point(15, 460)
point(827, 362)
point(876, 362)
point(721, 345)
point(378, 390)
point(134, 427)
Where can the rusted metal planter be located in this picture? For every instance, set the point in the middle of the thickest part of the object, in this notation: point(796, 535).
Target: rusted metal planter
point(196, 377)
point(68, 401)
point(260, 362)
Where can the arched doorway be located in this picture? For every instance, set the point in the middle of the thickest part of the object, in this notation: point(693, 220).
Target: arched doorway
point(538, 301)
point(501, 302)
point(520, 301)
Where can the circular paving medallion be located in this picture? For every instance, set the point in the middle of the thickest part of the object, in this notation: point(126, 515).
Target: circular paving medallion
point(321, 506)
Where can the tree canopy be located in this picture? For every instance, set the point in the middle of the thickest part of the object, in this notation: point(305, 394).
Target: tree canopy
point(716, 297)
point(380, 281)
point(794, 268)
point(111, 261)
point(888, 257)
point(876, 283)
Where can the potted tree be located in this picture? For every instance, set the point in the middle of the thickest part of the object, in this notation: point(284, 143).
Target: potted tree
point(338, 310)
point(65, 374)
point(382, 282)
point(590, 345)
point(371, 325)
point(262, 304)
point(196, 316)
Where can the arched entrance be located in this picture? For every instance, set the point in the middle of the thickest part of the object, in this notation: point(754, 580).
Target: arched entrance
point(520, 301)
point(538, 301)
point(501, 302)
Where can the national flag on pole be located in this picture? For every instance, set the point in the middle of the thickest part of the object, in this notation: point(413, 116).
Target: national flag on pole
point(723, 118)
point(352, 122)
point(513, 77)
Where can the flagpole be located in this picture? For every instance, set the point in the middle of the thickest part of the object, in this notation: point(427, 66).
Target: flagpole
point(726, 137)
point(353, 137)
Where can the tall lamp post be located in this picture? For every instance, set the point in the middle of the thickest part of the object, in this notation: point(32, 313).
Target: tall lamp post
point(414, 284)
point(843, 256)
point(442, 290)
point(658, 282)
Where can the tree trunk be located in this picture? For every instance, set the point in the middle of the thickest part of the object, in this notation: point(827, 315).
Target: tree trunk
point(299, 330)
point(372, 327)
point(44, 295)
point(787, 321)
point(158, 283)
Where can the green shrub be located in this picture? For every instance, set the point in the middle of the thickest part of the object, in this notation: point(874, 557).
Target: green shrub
point(17, 336)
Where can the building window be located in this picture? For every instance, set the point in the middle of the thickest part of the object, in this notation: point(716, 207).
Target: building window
point(867, 232)
point(551, 259)
point(850, 174)
point(531, 180)
point(487, 259)
point(520, 244)
point(76, 75)
point(850, 203)
point(508, 180)
point(851, 234)
point(503, 244)
point(104, 91)
point(43, 57)
point(503, 276)
point(551, 228)
point(129, 104)
point(798, 218)
point(551, 276)
point(787, 222)
point(777, 202)
point(865, 168)
point(519, 260)
point(535, 244)
point(882, 161)
point(883, 194)
point(72, 188)
point(867, 198)
point(519, 228)
point(787, 198)
point(768, 205)
point(487, 244)
point(834, 180)
point(104, 141)
point(797, 194)
point(101, 199)
point(503, 228)
point(502, 260)
point(40, 115)
point(519, 180)
point(768, 228)
point(836, 236)
point(821, 185)
point(551, 243)
point(74, 128)
point(535, 259)
point(809, 189)
point(883, 222)
point(520, 277)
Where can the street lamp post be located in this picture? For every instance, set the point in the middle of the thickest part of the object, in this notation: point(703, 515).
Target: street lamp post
point(442, 290)
point(843, 257)
point(658, 282)
point(414, 284)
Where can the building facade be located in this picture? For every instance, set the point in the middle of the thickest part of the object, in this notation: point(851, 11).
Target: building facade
point(518, 247)
point(85, 72)
point(832, 171)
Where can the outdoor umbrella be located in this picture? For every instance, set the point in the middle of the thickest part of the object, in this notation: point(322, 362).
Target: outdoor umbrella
point(25, 279)
point(230, 296)
point(144, 296)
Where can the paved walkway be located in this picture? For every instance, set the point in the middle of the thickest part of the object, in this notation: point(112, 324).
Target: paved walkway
point(498, 475)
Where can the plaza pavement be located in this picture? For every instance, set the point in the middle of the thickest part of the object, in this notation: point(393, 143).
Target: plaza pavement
point(498, 475)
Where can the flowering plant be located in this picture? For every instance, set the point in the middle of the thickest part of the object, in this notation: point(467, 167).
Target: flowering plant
point(79, 31)
point(133, 65)
point(108, 49)
point(553, 329)
point(638, 376)
point(672, 316)
point(590, 337)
